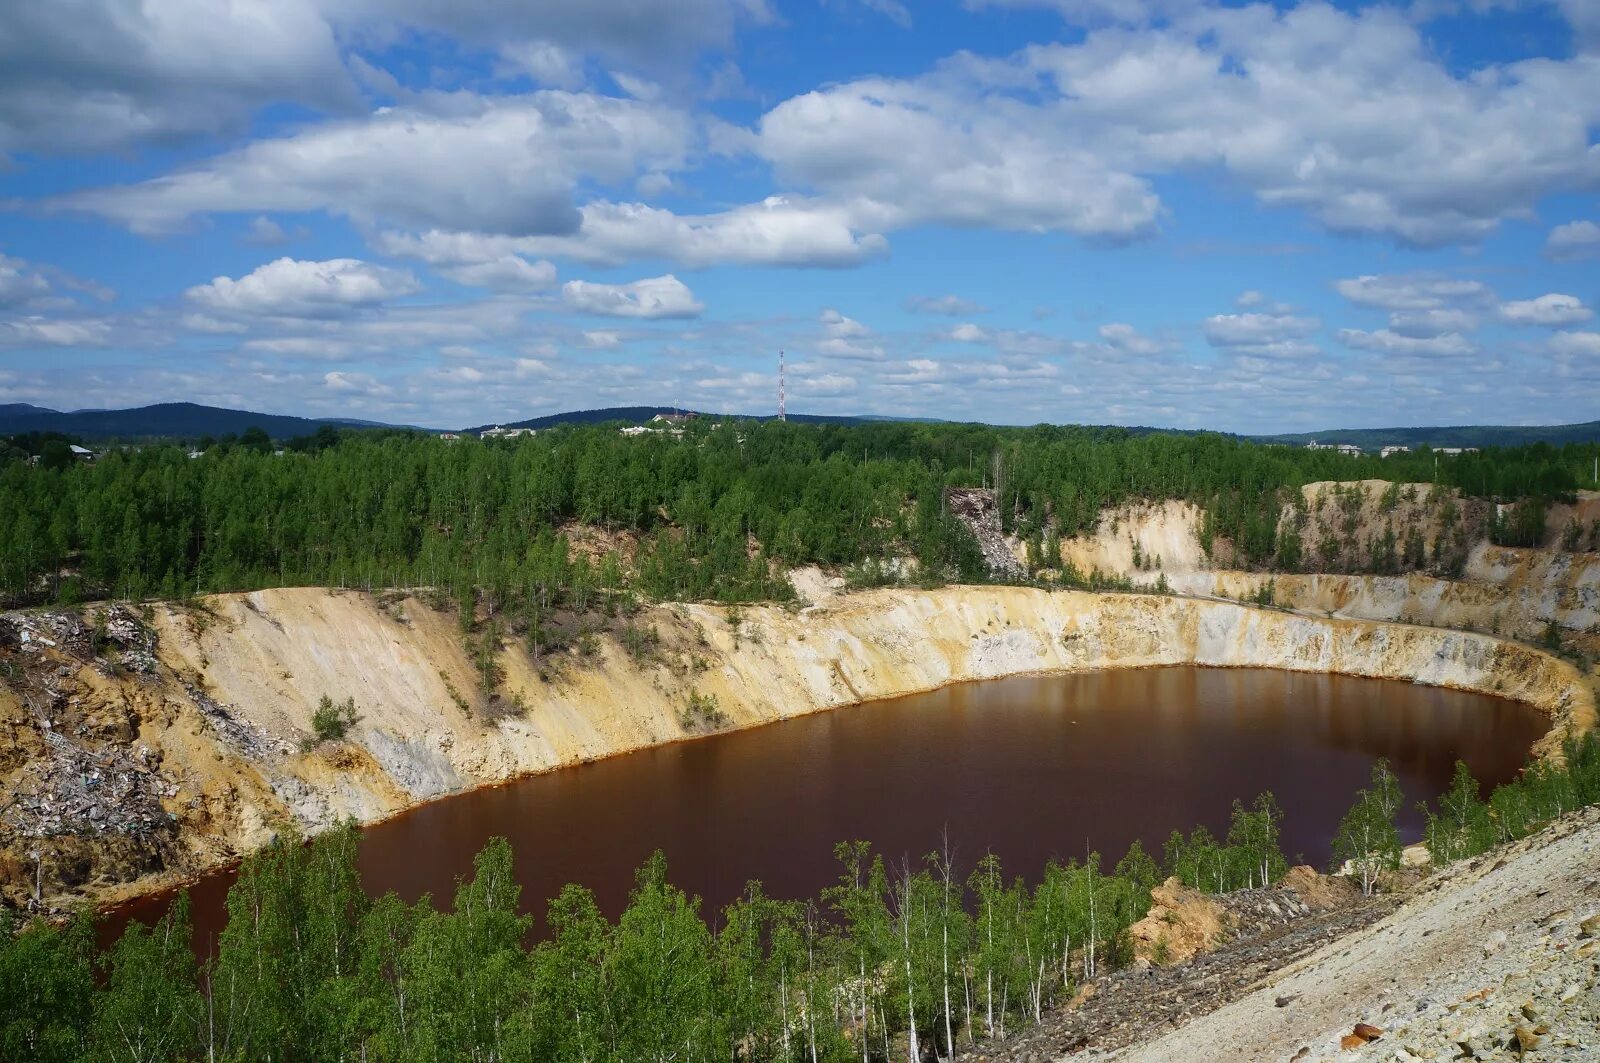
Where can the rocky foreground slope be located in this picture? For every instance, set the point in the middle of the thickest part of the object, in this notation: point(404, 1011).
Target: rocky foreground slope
point(1494, 958)
point(137, 748)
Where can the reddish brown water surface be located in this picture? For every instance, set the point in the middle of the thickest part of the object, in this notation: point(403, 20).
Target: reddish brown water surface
point(1029, 767)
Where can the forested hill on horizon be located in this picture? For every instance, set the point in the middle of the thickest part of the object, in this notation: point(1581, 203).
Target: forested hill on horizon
point(187, 420)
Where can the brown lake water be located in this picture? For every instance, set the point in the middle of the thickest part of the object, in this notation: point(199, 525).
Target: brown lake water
point(1029, 767)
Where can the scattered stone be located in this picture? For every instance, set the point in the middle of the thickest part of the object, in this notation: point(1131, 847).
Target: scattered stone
point(1284, 1002)
point(1494, 943)
point(1367, 1032)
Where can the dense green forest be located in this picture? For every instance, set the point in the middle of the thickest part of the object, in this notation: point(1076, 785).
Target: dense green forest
point(891, 959)
point(716, 511)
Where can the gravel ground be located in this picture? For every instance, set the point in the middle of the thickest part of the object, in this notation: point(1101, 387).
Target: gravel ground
point(1495, 958)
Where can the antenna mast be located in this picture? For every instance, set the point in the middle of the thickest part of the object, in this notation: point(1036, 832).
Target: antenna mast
point(782, 412)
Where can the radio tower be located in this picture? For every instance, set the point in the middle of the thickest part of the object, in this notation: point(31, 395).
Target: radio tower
point(782, 413)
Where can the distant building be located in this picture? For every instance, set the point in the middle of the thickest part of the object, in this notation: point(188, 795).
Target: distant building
point(1386, 451)
point(1343, 448)
point(1455, 450)
point(450, 437)
point(505, 433)
point(81, 453)
point(673, 418)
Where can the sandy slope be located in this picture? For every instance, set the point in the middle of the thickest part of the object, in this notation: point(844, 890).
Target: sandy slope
point(1476, 951)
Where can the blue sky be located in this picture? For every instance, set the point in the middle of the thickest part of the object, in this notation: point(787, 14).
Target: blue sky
point(1248, 217)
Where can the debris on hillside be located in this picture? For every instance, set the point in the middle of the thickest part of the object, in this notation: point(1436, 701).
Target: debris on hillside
point(1184, 922)
point(78, 791)
point(248, 738)
point(976, 508)
point(1271, 928)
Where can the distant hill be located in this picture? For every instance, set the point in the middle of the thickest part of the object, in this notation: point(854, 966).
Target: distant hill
point(640, 414)
point(1448, 436)
point(185, 420)
point(21, 409)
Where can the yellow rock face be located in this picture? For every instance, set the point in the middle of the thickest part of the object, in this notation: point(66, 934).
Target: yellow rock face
point(269, 656)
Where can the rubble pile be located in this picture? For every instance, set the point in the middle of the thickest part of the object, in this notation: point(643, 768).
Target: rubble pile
point(77, 791)
point(38, 632)
point(136, 642)
point(976, 508)
point(248, 738)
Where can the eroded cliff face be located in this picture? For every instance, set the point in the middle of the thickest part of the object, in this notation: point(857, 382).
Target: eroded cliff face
point(1515, 593)
point(220, 722)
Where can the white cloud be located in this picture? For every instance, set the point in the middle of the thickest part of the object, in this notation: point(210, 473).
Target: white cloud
point(1573, 241)
point(1254, 330)
point(779, 231)
point(504, 165)
point(1424, 323)
point(508, 273)
point(39, 331)
point(356, 383)
point(967, 332)
point(1350, 116)
point(1385, 341)
point(1586, 344)
point(20, 282)
point(1552, 309)
point(89, 75)
point(294, 288)
point(1415, 291)
point(946, 305)
point(657, 35)
point(310, 347)
point(838, 326)
point(653, 297)
point(899, 154)
point(1125, 339)
point(265, 232)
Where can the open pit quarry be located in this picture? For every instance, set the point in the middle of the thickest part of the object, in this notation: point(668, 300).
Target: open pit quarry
point(140, 749)
point(143, 745)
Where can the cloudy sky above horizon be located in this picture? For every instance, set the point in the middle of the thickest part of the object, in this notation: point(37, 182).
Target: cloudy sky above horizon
point(1248, 217)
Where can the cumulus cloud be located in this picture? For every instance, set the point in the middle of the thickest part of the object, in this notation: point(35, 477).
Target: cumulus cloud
point(93, 75)
point(653, 297)
point(292, 288)
point(264, 232)
point(493, 164)
point(1573, 241)
point(1125, 339)
point(898, 154)
point(1350, 116)
point(1413, 291)
point(845, 337)
point(946, 305)
point(1387, 341)
point(96, 75)
point(20, 282)
point(838, 326)
point(1585, 344)
point(658, 35)
point(1423, 323)
point(967, 332)
point(36, 330)
point(1255, 330)
point(1552, 309)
